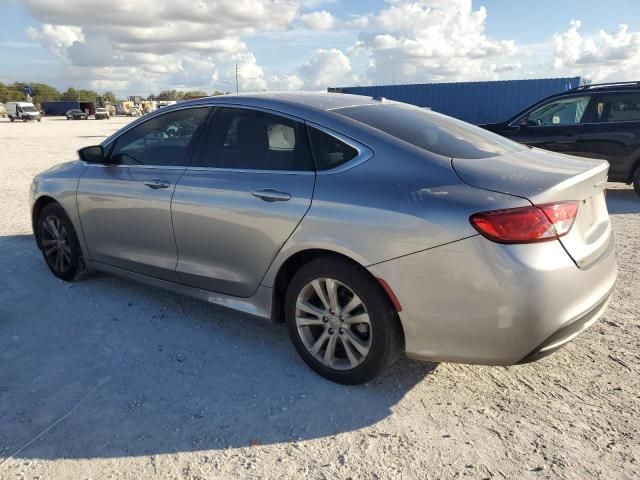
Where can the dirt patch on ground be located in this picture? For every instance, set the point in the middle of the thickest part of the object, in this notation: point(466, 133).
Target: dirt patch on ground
point(109, 379)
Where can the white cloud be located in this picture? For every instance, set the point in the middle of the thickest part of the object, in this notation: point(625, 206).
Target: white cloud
point(57, 37)
point(321, 20)
point(438, 40)
point(603, 56)
point(150, 45)
point(159, 43)
point(327, 68)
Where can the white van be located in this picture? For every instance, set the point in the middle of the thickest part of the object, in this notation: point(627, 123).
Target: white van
point(22, 111)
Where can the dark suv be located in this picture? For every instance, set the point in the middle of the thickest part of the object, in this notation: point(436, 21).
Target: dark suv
point(597, 121)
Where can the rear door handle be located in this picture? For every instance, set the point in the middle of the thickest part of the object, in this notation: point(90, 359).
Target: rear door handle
point(156, 183)
point(271, 195)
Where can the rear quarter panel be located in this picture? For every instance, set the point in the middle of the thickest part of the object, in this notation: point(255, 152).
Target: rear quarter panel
point(400, 201)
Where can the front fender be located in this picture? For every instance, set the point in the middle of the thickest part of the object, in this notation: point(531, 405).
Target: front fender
point(59, 184)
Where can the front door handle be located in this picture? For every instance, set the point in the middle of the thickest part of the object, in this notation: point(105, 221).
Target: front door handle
point(156, 183)
point(271, 195)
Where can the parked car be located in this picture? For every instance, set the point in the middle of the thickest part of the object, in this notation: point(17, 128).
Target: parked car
point(369, 227)
point(595, 121)
point(24, 111)
point(102, 113)
point(76, 114)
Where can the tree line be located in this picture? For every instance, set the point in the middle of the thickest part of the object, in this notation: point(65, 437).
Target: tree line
point(41, 92)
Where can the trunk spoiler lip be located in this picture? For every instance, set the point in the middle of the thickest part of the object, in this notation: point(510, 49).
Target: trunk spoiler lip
point(550, 194)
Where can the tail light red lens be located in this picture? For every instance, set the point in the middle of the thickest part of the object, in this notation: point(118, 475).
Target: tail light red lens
point(537, 223)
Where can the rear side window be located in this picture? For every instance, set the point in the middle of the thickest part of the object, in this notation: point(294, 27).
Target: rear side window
point(618, 107)
point(161, 141)
point(253, 140)
point(431, 131)
point(328, 151)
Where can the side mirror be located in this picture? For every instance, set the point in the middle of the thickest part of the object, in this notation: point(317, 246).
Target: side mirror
point(93, 154)
point(524, 123)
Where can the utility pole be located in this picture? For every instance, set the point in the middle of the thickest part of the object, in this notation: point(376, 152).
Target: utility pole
point(237, 89)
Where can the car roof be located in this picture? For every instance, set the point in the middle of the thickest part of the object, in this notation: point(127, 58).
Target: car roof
point(318, 101)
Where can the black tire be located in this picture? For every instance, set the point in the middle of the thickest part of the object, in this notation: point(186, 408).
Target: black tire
point(386, 342)
point(636, 181)
point(11, 118)
point(72, 266)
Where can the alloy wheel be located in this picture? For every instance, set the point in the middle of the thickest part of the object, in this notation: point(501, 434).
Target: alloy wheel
point(55, 244)
point(333, 323)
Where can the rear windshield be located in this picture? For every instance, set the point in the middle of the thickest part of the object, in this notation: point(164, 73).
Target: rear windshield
point(431, 131)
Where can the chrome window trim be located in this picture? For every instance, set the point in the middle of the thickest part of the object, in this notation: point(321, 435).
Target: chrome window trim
point(146, 167)
point(364, 152)
point(249, 170)
point(259, 109)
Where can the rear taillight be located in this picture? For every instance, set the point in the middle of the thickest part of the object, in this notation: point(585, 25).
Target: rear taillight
point(537, 223)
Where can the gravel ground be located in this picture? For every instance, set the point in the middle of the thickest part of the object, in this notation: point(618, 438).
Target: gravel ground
point(108, 379)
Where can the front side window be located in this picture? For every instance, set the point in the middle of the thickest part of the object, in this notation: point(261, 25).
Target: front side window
point(161, 141)
point(566, 111)
point(253, 140)
point(618, 107)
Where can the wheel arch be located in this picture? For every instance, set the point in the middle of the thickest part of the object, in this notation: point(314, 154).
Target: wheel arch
point(293, 263)
point(38, 206)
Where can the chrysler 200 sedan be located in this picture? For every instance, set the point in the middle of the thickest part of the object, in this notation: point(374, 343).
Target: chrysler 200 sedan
point(370, 227)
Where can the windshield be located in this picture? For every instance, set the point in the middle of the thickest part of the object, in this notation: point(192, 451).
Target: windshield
point(431, 131)
point(30, 109)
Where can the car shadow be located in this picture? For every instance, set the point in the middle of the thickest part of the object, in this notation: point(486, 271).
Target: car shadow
point(622, 201)
point(122, 369)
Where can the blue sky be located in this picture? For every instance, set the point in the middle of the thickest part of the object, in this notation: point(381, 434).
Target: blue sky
point(312, 44)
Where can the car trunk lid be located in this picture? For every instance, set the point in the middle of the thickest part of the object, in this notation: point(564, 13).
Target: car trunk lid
point(544, 177)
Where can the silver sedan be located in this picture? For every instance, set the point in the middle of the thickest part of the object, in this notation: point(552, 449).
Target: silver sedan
point(370, 227)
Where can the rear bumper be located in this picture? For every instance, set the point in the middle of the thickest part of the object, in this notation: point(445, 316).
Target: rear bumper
point(475, 301)
point(567, 333)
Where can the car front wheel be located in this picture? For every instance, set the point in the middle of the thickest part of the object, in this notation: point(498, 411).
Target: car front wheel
point(59, 243)
point(341, 322)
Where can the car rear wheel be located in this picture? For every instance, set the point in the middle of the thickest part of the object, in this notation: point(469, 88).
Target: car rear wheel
point(636, 181)
point(59, 243)
point(340, 321)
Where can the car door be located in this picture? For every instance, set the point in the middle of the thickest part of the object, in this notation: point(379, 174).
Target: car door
point(125, 207)
point(613, 132)
point(249, 185)
point(555, 125)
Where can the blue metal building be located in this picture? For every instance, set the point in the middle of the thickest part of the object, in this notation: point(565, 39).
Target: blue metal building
point(473, 102)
